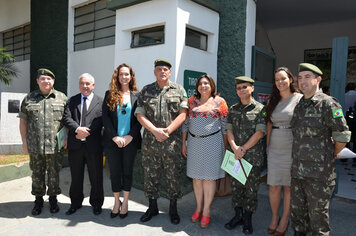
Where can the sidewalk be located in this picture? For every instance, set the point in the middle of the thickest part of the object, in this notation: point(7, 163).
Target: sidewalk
point(16, 203)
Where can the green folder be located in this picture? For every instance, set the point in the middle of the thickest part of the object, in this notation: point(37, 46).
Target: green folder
point(61, 137)
point(233, 167)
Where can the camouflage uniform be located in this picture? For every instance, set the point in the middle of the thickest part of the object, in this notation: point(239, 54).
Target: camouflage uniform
point(43, 115)
point(161, 106)
point(315, 121)
point(244, 121)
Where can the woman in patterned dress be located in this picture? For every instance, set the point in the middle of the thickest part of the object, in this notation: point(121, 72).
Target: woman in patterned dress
point(206, 138)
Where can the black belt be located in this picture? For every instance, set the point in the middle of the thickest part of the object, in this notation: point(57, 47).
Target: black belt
point(281, 127)
point(203, 136)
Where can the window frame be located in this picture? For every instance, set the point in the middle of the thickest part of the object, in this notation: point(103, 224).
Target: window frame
point(148, 30)
point(20, 40)
point(201, 34)
point(90, 38)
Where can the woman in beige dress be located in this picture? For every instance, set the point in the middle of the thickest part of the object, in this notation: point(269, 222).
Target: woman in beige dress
point(280, 110)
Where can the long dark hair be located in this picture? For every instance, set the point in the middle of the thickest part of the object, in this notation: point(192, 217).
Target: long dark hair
point(275, 96)
point(212, 85)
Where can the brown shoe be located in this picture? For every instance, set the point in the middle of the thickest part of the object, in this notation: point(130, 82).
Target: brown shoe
point(278, 233)
point(272, 231)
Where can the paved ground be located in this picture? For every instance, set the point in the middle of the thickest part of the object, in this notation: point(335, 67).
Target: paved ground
point(16, 203)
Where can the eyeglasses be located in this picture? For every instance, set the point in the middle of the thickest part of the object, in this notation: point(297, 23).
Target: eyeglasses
point(123, 109)
point(242, 87)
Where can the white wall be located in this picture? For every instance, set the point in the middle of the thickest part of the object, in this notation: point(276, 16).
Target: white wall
point(175, 16)
point(203, 20)
point(21, 83)
point(9, 123)
point(250, 34)
point(99, 62)
point(14, 14)
point(145, 15)
point(290, 43)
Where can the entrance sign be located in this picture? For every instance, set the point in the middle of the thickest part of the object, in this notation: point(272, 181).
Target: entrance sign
point(190, 79)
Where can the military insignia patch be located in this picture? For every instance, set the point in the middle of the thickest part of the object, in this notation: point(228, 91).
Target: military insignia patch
point(337, 113)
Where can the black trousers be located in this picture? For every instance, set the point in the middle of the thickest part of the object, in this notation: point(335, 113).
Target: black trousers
point(121, 161)
point(77, 159)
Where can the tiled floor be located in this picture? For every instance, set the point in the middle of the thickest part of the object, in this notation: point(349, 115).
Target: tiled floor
point(346, 179)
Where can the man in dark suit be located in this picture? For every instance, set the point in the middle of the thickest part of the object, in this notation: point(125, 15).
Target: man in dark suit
point(82, 117)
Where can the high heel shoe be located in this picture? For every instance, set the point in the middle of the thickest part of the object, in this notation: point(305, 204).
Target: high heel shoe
point(272, 231)
point(122, 216)
point(278, 233)
point(205, 221)
point(113, 215)
point(196, 216)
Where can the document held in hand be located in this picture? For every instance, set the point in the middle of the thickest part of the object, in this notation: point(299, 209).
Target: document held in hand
point(61, 137)
point(346, 153)
point(233, 167)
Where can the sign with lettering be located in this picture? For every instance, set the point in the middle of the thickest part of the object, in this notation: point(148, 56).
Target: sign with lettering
point(190, 79)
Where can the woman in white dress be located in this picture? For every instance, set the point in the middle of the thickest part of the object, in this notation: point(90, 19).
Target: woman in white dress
point(280, 108)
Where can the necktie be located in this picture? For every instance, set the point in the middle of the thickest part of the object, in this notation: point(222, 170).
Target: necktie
point(84, 112)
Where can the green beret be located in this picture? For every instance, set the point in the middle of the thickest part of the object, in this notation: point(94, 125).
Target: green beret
point(162, 62)
point(47, 72)
point(243, 79)
point(309, 67)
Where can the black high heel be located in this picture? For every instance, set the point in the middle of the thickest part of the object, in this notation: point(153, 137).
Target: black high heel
point(113, 215)
point(122, 216)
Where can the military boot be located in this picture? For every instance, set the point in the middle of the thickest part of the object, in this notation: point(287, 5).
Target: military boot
point(236, 220)
point(53, 205)
point(247, 218)
point(151, 211)
point(37, 209)
point(173, 212)
point(296, 233)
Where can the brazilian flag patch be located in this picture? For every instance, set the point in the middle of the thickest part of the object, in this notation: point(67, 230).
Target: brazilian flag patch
point(264, 114)
point(337, 113)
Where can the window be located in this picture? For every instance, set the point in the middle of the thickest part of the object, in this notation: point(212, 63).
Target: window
point(263, 65)
point(94, 26)
point(17, 42)
point(196, 39)
point(146, 37)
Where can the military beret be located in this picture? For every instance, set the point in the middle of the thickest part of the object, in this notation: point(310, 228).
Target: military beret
point(309, 67)
point(162, 62)
point(243, 79)
point(47, 72)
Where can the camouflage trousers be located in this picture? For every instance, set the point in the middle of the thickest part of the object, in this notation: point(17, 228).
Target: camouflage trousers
point(153, 164)
point(242, 196)
point(310, 205)
point(40, 164)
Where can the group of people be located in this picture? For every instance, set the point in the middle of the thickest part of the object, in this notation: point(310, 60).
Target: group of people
point(304, 133)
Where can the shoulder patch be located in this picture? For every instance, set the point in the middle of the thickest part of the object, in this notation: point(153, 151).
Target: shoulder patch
point(337, 113)
point(264, 113)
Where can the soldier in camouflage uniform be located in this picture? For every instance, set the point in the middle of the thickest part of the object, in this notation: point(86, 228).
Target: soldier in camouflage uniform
point(246, 125)
point(161, 109)
point(319, 132)
point(40, 120)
